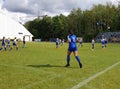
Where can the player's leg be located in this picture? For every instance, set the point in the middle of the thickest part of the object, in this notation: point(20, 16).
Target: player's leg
point(92, 46)
point(78, 59)
point(24, 45)
point(81, 44)
point(57, 44)
point(16, 47)
point(1, 48)
point(68, 59)
point(103, 45)
point(5, 47)
point(11, 47)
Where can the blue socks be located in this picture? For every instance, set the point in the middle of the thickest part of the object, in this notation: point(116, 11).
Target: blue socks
point(68, 59)
point(0, 49)
point(78, 59)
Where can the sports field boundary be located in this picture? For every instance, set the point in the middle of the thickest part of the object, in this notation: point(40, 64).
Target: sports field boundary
point(94, 76)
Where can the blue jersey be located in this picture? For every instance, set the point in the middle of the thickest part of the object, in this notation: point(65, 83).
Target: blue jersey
point(57, 42)
point(103, 41)
point(72, 43)
point(8, 41)
point(3, 42)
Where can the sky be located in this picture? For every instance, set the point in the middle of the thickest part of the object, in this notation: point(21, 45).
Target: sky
point(23, 10)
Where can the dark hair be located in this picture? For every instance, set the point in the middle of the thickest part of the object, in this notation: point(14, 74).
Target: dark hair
point(70, 31)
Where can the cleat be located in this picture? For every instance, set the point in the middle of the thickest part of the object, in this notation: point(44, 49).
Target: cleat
point(0, 49)
point(67, 65)
point(80, 64)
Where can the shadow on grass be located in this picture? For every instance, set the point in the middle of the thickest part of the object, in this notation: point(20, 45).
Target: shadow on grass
point(49, 66)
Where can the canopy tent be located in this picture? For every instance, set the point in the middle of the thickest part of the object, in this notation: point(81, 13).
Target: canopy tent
point(10, 29)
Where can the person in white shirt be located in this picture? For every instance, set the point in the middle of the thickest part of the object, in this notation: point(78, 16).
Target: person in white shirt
point(14, 44)
point(93, 43)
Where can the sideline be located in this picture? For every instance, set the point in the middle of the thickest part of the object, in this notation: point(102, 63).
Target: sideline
point(94, 76)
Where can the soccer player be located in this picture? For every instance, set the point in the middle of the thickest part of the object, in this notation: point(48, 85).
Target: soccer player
point(3, 44)
point(24, 43)
point(57, 42)
point(93, 43)
point(62, 42)
point(103, 43)
point(8, 42)
point(72, 48)
point(14, 44)
point(106, 42)
point(80, 42)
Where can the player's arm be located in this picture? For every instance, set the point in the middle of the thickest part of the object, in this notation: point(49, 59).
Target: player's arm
point(77, 40)
point(68, 39)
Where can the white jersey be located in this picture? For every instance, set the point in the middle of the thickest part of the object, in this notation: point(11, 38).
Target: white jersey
point(80, 40)
point(93, 41)
point(15, 41)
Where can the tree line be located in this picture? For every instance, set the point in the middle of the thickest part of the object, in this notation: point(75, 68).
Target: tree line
point(86, 24)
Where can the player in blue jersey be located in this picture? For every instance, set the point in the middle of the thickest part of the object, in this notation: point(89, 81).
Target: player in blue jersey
point(8, 42)
point(3, 44)
point(14, 44)
point(72, 48)
point(57, 42)
point(106, 42)
point(103, 43)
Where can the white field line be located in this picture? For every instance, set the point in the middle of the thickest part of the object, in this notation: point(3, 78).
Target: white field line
point(94, 76)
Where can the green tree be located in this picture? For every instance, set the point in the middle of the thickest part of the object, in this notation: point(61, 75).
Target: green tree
point(86, 24)
point(59, 24)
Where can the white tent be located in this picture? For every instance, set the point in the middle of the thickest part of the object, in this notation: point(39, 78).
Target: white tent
point(10, 28)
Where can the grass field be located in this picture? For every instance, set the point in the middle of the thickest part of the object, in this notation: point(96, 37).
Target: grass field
point(41, 66)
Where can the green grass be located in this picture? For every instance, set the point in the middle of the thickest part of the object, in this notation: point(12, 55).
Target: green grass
point(41, 66)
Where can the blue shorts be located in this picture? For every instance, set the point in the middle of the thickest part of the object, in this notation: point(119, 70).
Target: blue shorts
point(57, 43)
point(3, 44)
point(8, 42)
point(105, 42)
point(14, 44)
point(72, 49)
point(92, 45)
point(80, 42)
